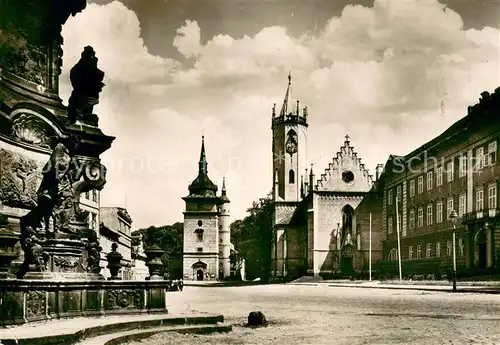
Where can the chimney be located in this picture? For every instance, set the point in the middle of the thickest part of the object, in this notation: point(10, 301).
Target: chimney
point(379, 170)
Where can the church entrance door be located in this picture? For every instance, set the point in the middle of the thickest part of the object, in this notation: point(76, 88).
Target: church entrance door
point(199, 275)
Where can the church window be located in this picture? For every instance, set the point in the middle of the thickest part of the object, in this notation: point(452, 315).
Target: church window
point(347, 176)
point(291, 176)
point(200, 223)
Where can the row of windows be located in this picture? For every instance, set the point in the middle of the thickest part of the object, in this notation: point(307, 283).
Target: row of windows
point(415, 252)
point(91, 195)
point(418, 221)
point(478, 162)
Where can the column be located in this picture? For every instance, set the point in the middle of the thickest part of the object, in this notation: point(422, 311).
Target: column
point(279, 252)
point(489, 246)
point(273, 254)
point(285, 252)
point(468, 247)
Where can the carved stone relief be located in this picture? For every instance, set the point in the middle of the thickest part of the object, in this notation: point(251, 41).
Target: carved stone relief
point(31, 129)
point(64, 264)
point(118, 299)
point(19, 180)
point(35, 303)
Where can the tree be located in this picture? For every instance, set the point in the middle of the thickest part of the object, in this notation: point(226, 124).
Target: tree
point(169, 238)
point(252, 238)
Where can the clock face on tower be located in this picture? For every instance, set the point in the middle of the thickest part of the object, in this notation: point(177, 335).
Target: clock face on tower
point(291, 143)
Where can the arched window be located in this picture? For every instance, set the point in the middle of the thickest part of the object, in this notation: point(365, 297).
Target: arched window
point(393, 254)
point(291, 176)
point(199, 234)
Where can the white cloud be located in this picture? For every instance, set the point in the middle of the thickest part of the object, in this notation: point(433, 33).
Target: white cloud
point(188, 38)
point(392, 76)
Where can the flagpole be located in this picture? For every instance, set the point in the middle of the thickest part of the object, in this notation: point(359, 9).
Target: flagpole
point(399, 240)
point(370, 251)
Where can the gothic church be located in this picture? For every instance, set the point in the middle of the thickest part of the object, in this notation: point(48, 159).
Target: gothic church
point(315, 231)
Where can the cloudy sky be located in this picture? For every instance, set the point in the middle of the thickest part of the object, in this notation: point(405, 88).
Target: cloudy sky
point(391, 73)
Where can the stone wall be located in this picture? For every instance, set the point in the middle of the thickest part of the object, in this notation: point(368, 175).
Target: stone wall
point(370, 205)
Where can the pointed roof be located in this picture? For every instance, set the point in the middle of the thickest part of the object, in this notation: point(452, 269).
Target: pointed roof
point(202, 185)
point(224, 195)
point(347, 150)
point(288, 106)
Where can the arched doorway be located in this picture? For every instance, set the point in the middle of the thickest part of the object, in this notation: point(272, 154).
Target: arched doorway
point(199, 274)
point(199, 269)
point(480, 248)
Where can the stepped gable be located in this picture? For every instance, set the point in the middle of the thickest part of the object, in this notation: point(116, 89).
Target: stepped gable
point(346, 172)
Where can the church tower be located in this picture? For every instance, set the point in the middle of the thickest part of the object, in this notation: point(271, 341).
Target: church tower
point(201, 226)
point(289, 128)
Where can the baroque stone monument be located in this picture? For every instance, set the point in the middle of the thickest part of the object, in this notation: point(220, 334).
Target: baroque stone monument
point(49, 155)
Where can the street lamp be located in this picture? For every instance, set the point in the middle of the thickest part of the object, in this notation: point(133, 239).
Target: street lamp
point(453, 218)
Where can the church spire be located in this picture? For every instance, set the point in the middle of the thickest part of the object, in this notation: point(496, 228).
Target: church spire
point(202, 185)
point(287, 107)
point(202, 164)
point(223, 186)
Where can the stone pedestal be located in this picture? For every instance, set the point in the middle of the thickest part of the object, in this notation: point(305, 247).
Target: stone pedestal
point(154, 263)
point(65, 262)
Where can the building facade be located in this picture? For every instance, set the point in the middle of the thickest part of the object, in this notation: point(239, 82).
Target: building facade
point(207, 236)
point(456, 171)
point(90, 202)
point(315, 230)
point(116, 226)
point(140, 270)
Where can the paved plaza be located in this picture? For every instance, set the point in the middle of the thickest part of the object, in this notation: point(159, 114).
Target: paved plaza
point(342, 315)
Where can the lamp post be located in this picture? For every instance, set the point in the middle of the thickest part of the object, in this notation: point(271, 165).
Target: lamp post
point(453, 218)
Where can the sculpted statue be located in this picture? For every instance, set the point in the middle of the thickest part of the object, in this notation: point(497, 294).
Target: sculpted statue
point(56, 196)
point(94, 252)
point(87, 82)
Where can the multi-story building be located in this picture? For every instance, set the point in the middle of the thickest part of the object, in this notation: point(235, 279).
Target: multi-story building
point(90, 202)
point(116, 227)
point(206, 239)
point(140, 270)
point(456, 171)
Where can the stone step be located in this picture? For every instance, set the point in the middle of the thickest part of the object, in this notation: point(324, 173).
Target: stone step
point(71, 331)
point(136, 335)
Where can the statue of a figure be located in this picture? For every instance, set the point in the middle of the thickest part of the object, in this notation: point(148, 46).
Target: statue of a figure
point(56, 196)
point(94, 252)
point(348, 239)
point(31, 244)
point(87, 82)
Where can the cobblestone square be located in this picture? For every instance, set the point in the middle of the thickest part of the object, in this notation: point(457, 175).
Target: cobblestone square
point(328, 315)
